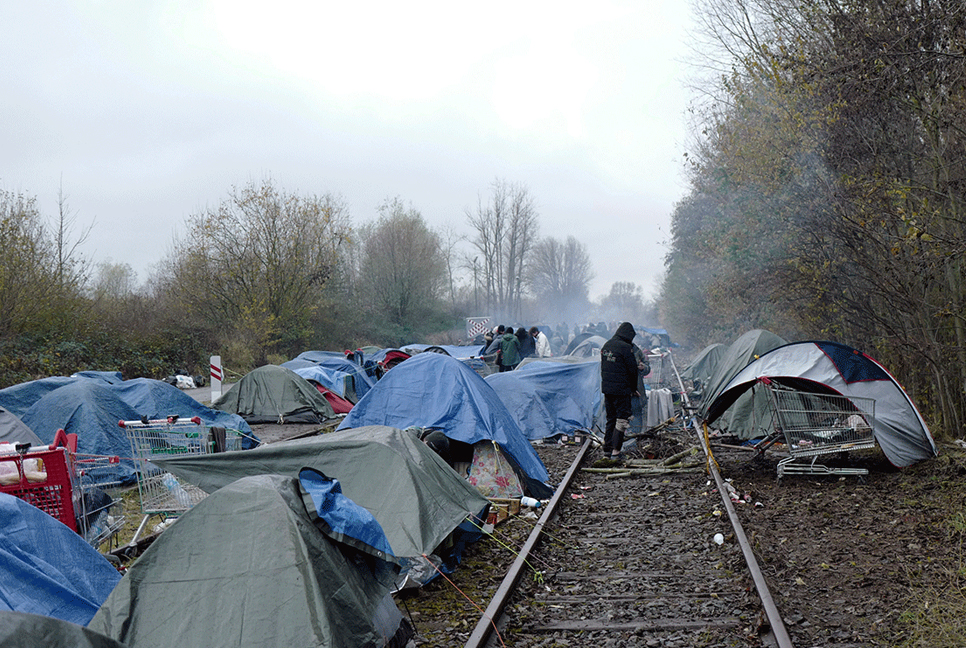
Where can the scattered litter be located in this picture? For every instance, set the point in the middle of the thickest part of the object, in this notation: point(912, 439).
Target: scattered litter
point(718, 538)
point(576, 496)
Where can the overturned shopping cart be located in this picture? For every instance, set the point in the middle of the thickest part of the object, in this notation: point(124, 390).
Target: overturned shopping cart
point(817, 425)
point(161, 493)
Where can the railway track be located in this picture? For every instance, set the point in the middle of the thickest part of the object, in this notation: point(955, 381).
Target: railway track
point(630, 562)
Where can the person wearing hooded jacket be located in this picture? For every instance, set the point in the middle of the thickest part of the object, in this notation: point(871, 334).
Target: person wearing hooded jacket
point(618, 383)
point(509, 351)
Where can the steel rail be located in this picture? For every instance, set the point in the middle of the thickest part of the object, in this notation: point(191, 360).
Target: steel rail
point(486, 625)
point(780, 632)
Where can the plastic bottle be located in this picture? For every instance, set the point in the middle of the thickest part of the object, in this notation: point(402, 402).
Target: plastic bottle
point(174, 487)
point(530, 502)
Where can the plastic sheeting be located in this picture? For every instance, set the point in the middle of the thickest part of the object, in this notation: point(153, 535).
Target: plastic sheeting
point(435, 391)
point(247, 566)
point(91, 409)
point(19, 630)
point(363, 382)
point(47, 569)
point(551, 396)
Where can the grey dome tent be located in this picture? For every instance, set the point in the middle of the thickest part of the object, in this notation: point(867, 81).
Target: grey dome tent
point(13, 430)
point(23, 630)
point(274, 394)
point(739, 420)
point(251, 565)
point(705, 364)
point(897, 425)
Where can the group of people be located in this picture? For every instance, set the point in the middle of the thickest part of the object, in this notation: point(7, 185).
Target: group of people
point(511, 346)
point(622, 365)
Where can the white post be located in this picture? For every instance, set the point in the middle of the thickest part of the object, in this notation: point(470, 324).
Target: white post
point(216, 376)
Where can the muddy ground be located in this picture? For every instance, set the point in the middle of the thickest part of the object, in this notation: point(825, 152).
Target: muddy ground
point(870, 561)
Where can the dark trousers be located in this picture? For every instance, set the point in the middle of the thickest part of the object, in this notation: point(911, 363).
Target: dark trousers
point(616, 406)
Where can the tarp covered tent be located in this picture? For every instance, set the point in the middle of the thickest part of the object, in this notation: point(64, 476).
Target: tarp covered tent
point(46, 568)
point(21, 630)
point(587, 347)
point(19, 398)
point(274, 394)
point(389, 358)
point(551, 396)
point(740, 418)
point(431, 390)
point(91, 410)
point(251, 565)
point(362, 381)
point(456, 351)
point(830, 367)
point(413, 494)
point(156, 399)
point(338, 381)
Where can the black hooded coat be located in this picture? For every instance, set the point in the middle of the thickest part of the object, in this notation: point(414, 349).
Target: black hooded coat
point(618, 364)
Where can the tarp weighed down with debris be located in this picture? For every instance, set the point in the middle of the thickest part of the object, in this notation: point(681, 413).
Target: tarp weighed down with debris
point(249, 566)
point(46, 568)
point(436, 391)
point(415, 496)
point(830, 367)
point(551, 396)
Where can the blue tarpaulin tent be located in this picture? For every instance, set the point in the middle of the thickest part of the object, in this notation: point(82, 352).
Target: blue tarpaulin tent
point(432, 390)
point(46, 568)
point(92, 408)
point(550, 397)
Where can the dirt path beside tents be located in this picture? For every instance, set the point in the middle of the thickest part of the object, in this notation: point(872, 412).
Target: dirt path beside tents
point(875, 561)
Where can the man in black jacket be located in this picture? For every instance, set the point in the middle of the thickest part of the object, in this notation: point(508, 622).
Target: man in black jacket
point(618, 383)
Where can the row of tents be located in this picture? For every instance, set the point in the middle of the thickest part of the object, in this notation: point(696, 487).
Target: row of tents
point(369, 506)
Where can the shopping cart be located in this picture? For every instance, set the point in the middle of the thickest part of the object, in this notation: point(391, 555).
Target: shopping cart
point(65, 485)
point(160, 492)
point(816, 425)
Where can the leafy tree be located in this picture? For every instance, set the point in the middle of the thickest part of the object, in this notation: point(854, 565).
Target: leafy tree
point(827, 194)
point(258, 265)
point(30, 296)
point(403, 269)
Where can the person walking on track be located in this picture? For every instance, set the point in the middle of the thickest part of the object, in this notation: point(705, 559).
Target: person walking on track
point(618, 383)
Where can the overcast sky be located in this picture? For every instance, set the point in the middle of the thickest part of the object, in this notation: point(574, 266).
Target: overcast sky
point(147, 112)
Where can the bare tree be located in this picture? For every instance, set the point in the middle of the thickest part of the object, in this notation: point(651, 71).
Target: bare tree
point(402, 266)
point(506, 230)
point(560, 275)
point(70, 266)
